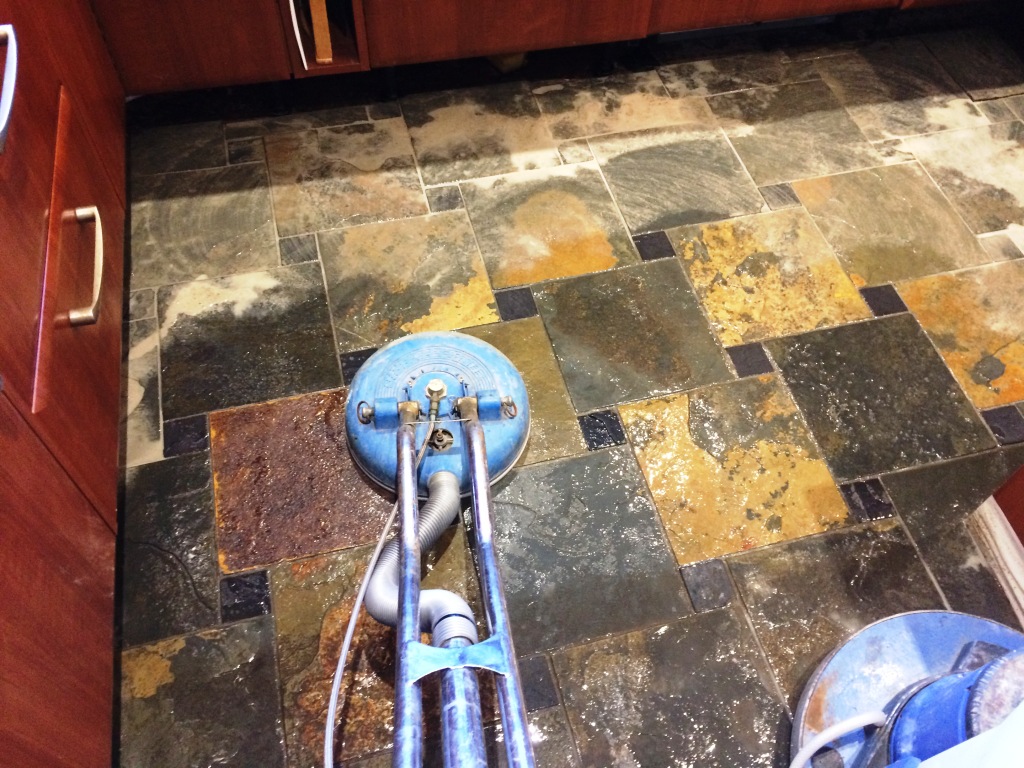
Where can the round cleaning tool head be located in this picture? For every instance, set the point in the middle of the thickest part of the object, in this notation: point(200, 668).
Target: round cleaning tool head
point(435, 370)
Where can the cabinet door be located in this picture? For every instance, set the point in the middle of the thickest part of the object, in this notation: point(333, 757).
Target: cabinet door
point(408, 31)
point(768, 10)
point(26, 175)
point(77, 388)
point(57, 612)
point(682, 15)
point(187, 44)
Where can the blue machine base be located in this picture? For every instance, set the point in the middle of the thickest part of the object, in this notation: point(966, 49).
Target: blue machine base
point(468, 367)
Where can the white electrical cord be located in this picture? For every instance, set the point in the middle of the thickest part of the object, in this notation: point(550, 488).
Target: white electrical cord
point(339, 672)
point(834, 732)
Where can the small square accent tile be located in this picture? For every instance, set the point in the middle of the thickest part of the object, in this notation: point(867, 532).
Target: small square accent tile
point(351, 362)
point(246, 151)
point(708, 584)
point(883, 300)
point(539, 687)
point(602, 429)
point(399, 277)
point(186, 435)
point(654, 245)
point(298, 249)
point(867, 500)
point(671, 695)
point(446, 198)
point(1006, 423)
point(732, 467)
point(612, 351)
point(515, 303)
point(780, 196)
point(554, 431)
point(545, 224)
point(550, 519)
point(244, 596)
point(285, 482)
point(975, 317)
point(142, 304)
point(901, 406)
point(750, 360)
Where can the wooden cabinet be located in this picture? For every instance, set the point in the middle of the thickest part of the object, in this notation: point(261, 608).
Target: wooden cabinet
point(682, 15)
point(341, 21)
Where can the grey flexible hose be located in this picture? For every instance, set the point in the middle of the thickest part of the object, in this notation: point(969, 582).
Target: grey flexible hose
point(442, 613)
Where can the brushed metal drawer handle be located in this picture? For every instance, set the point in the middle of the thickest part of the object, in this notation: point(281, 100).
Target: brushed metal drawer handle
point(91, 314)
point(10, 78)
point(298, 35)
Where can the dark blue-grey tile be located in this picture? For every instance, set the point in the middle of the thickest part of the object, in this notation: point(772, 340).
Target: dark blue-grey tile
point(980, 60)
point(807, 596)
point(164, 149)
point(205, 699)
point(692, 692)
point(629, 334)
point(878, 397)
point(935, 502)
point(244, 339)
point(170, 558)
point(581, 552)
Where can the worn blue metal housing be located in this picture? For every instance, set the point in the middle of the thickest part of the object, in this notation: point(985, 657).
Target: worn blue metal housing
point(401, 371)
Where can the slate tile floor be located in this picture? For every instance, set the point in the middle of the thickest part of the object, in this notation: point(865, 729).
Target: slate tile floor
point(766, 298)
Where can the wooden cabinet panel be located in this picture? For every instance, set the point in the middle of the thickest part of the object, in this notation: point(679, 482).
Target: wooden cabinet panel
point(77, 387)
point(57, 612)
point(405, 31)
point(681, 15)
point(187, 44)
point(769, 10)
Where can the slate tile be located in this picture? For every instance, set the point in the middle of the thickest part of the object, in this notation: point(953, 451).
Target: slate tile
point(142, 304)
point(877, 397)
point(545, 224)
point(203, 223)
point(708, 584)
point(981, 170)
point(1006, 423)
point(736, 72)
point(539, 688)
point(170, 559)
point(602, 429)
point(382, 110)
point(934, 502)
point(612, 348)
point(286, 485)
point(668, 177)
point(204, 699)
point(750, 360)
point(143, 441)
point(165, 149)
point(654, 245)
point(883, 300)
point(244, 339)
point(549, 521)
point(351, 362)
point(975, 318)
point(693, 692)
point(1000, 247)
point(343, 176)
point(246, 151)
point(732, 467)
point(867, 500)
point(478, 132)
point(979, 60)
point(808, 596)
point(897, 88)
point(446, 198)
point(244, 596)
point(792, 132)
point(624, 101)
point(299, 121)
point(186, 435)
point(780, 196)
point(554, 431)
point(575, 151)
point(766, 275)
point(298, 249)
point(889, 224)
point(515, 304)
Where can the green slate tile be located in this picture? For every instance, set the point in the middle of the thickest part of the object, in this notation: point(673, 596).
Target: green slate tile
point(980, 60)
point(165, 149)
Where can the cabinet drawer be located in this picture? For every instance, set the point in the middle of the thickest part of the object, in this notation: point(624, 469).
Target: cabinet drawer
point(76, 397)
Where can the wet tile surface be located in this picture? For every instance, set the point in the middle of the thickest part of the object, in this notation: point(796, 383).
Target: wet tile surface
point(808, 596)
point(867, 500)
point(186, 435)
point(550, 522)
point(792, 132)
point(732, 467)
point(897, 88)
point(889, 224)
point(767, 275)
point(693, 692)
point(975, 318)
point(244, 339)
point(708, 585)
point(612, 350)
point(602, 429)
point(1006, 423)
point(540, 225)
point(202, 223)
point(934, 502)
point(554, 431)
point(654, 245)
point(285, 484)
point(980, 170)
point(980, 61)
point(335, 177)
point(750, 360)
point(244, 596)
point(166, 149)
point(478, 132)
point(143, 438)
point(877, 398)
point(615, 104)
point(391, 279)
point(204, 699)
point(170, 560)
point(669, 177)
point(539, 689)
